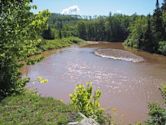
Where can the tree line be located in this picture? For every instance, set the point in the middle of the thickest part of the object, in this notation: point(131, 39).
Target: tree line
point(111, 28)
point(99, 28)
point(142, 32)
point(60, 26)
point(149, 33)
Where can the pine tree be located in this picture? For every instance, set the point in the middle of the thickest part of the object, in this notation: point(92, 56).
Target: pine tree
point(157, 17)
point(60, 26)
point(82, 30)
point(164, 6)
point(157, 4)
point(48, 34)
point(158, 28)
point(147, 43)
point(164, 17)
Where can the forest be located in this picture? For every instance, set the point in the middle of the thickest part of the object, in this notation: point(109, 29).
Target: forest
point(99, 28)
point(138, 31)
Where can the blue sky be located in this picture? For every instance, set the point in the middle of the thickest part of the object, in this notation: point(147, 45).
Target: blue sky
point(97, 7)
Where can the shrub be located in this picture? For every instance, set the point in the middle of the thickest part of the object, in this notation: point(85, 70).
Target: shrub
point(162, 47)
point(156, 112)
point(59, 43)
point(157, 115)
point(87, 101)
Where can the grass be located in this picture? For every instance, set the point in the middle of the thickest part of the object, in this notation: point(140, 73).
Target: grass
point(60, 43)
point(31, 109)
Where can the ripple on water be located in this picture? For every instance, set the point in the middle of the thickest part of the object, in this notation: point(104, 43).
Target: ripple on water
point(94, 73)
point(128, 87)
point(118, 55)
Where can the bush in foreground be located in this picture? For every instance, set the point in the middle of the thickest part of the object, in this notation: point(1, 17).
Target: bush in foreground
point(87, 102)
point(157, 113)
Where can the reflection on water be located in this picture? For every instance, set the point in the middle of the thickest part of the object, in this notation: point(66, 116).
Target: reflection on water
point(127, 87)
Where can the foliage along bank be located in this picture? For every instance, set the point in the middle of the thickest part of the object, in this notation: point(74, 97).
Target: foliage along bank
point(19, 38)
point(149, 33)
point(99, 28)
point(142, 32)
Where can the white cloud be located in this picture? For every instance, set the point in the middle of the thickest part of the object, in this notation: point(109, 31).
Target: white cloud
point(71, 10)
point(118, 11)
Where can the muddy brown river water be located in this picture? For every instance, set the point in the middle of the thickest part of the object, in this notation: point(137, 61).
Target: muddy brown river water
point(127, 87)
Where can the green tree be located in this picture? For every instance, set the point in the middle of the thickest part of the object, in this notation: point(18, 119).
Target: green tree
point(158, 23)
point(150, 35)
point(117, 27)
point(137, 29)
point(147, 42)
point(60, 26)
point(82, 30)
point(48, 34)
point(19, 35)
point(163, 6)
point(164, 18)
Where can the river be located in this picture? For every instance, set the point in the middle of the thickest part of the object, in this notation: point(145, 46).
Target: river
point(127, 87)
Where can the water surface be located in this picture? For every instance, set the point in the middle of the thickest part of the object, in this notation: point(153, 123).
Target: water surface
point(127, 87)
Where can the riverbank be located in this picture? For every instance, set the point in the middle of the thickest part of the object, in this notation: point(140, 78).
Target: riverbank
point(49, 47)
point(29, 108)
point(60, 43)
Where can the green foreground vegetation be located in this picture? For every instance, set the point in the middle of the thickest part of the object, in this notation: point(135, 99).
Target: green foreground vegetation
point(29, 108)
point(86, 100)
point(157, 113)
